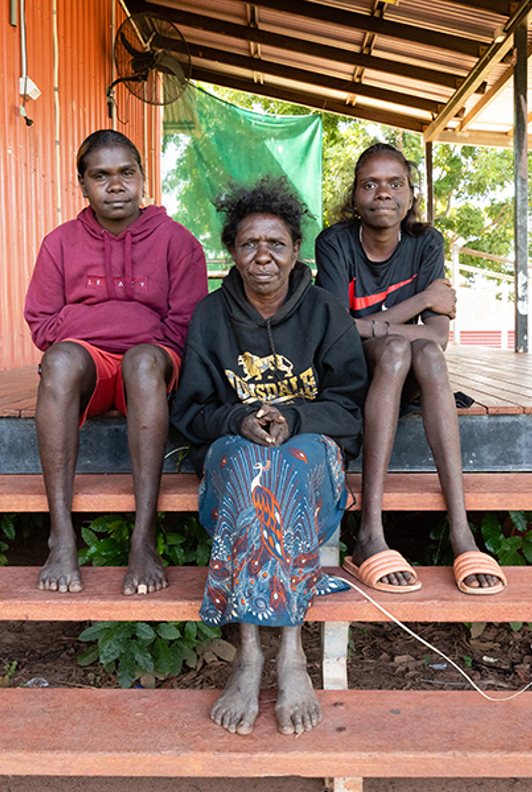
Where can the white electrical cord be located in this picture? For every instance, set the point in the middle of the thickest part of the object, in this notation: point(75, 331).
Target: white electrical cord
point(430, 646)
point(57, 115)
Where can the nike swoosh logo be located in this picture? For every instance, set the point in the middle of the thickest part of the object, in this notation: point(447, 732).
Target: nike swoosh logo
point(358, 303)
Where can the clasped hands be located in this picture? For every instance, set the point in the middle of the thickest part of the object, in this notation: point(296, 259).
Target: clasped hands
point(266, 427)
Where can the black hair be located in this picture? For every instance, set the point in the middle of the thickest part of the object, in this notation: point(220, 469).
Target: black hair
point(268, 195)
point(104, 138)
point(412, 223)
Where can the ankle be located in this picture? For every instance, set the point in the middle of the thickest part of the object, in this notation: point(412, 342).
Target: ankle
point(143, 539)
point(59, 539)
point(292, 657)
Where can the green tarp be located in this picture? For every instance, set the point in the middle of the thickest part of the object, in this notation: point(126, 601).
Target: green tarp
point(208, 142)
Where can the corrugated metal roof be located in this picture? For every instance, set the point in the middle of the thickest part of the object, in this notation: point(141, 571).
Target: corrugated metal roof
point(448, 17)
point(415, 50)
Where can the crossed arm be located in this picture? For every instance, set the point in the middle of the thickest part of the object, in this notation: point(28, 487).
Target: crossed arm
point(439, 297)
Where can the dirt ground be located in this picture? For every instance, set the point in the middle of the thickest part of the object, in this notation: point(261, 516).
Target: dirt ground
point(382, 657)
point(288, 784)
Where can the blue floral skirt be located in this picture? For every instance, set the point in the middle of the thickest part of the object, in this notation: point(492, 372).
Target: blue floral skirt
point(268, 510)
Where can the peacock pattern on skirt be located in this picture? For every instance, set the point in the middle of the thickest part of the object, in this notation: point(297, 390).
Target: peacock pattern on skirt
point(268, 510)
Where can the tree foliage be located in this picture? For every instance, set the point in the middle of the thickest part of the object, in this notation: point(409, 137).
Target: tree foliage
point(473, 186)
point(474, 200)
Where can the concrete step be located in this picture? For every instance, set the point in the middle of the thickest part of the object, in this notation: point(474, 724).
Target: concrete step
point(489, 443)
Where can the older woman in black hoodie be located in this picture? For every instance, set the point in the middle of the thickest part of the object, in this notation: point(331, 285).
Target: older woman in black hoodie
point(272, 385)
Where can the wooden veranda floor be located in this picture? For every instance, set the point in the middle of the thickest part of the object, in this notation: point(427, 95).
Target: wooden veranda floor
point(500, 381)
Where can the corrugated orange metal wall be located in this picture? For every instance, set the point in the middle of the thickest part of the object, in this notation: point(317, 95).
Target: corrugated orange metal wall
point(29, 194)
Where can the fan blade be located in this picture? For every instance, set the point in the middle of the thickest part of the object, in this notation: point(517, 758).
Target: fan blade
point(168, 65)
point(144, 62)
point(129, 47)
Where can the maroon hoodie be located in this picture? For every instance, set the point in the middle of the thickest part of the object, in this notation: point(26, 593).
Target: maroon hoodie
point(140, 287)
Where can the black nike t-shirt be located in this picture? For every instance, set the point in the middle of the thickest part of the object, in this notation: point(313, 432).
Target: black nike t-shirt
point(364, 286)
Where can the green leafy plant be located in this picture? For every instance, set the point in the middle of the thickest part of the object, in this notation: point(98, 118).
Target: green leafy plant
point(439, 550)
point(7, 529)
point(179, 454)
point(180, 540)
point(11, 524)
point(351, 647)
point(9, 670)
point(516, 626)
point(343, 551)
point(133, 649)
point(511, 547)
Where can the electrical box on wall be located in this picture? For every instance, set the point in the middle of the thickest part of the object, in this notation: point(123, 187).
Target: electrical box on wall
point(28, 88)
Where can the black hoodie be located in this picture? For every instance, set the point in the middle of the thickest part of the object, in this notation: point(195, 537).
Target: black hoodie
point(307, 359)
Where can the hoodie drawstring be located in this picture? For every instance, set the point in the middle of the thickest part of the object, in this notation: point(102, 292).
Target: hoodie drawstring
point(276, 372)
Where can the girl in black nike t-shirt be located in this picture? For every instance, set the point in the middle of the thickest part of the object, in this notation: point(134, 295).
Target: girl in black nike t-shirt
point(387, 269)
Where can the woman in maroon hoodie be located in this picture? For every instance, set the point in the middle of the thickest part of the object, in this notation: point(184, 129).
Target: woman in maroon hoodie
point(109, 303)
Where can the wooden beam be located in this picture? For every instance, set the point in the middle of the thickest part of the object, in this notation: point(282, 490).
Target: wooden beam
point(95, 492)
point(521, 186)
point(479, 138)
point(503, 7)
point(310, 100)
point(430, 182)
point(489, 96)
point(314, 78)
point(493, 55)
point(448, 78)
point(102, 599)
point(380, 27)
point(168, 733)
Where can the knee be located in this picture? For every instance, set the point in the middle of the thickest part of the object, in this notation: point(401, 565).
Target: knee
point(65, 364)
point(396, 357)
point(145, 365)
point(428, 360)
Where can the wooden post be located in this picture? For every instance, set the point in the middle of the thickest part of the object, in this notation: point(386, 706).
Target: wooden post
point(334, 646)
point(334, 635)
point(455, 258)
point(521, 187)
point(344, 785)
point(430, 182)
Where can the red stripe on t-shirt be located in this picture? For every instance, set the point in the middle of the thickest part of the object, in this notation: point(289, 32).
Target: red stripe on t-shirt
point(358, 303)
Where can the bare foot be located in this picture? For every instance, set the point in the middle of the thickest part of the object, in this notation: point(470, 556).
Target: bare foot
point(297, 709)
point(238, 706)
point(367, 545)
point(61, 571)
point(145, 572)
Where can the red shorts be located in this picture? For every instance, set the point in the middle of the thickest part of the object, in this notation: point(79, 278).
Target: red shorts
point(109, 389)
